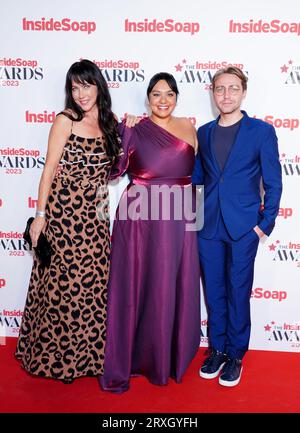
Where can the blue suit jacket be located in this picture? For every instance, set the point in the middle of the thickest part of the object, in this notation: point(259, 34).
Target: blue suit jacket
point(235, 191)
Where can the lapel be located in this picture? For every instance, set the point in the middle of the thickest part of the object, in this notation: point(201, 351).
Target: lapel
point(237, 146)
point(209, 134)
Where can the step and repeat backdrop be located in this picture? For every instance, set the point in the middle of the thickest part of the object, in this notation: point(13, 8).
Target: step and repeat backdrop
point(130, 41)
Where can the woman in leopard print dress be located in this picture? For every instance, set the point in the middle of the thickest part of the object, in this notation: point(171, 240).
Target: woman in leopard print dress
point(62, 334)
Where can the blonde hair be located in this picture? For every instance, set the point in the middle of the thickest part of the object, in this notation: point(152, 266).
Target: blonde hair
point(233, 70)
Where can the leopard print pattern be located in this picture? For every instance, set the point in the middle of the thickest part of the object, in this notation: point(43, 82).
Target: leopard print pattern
point(62, 334)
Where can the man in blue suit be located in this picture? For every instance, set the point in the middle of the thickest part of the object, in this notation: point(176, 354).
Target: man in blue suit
point(235, 154)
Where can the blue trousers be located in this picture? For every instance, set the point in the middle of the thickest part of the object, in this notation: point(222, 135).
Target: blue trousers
point(227, 271)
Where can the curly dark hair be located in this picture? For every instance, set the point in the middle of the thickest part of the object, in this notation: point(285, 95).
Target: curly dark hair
point(86, 71)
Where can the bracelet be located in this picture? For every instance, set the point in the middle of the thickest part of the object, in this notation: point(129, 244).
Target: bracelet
point(40, 213)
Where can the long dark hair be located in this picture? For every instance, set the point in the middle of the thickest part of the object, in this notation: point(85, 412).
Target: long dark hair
point(166, 77)
point(86, 71)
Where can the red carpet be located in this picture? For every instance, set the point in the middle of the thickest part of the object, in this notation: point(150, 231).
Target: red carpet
point(270, 383)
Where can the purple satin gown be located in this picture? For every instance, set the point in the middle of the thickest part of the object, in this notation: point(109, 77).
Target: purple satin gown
point(153, 321)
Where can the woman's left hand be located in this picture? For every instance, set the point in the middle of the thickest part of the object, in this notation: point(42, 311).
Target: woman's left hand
point(35, 229)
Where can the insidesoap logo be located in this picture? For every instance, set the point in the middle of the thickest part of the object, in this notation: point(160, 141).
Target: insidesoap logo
point(12, 313)
point(284, 212)
point(19, 151)
point(13, 243)
point(283, 333)
point(290, 165)
point(31, 202)
point(201, 71)
point(260, 26)
point(10, 320)
point(288, 123)
point(213, 65)
point(44, 117)
point(285, 252)
point(18, 62)
point(15, 160)
point(15, 70)
point(277, 295)
point(291, 72)
point(117, 64)
point(167, 26)
point(52, 25)
point(118, 72)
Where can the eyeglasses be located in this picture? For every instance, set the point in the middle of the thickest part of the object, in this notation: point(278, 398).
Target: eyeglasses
point(232, 90)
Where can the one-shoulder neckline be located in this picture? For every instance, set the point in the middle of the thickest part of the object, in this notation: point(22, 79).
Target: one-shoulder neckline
point(172, 135)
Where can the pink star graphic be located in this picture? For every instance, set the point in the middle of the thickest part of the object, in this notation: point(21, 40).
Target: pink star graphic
point(272, 247)
point(284, 68)
point(178, 67)
point(267, 328)
point(290, 62)
point(283, 155)
point(183, 61)
point(277, 242)
point(272, 323)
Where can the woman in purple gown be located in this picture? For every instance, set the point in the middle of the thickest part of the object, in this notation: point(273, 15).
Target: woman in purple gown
point(153, 324)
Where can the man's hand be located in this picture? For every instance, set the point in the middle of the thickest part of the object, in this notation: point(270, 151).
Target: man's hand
point(259, 232)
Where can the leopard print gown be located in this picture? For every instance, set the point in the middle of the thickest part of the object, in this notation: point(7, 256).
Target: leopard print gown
point(62, 334)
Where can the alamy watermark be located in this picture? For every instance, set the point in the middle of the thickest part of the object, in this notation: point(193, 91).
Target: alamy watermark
point(157, 203)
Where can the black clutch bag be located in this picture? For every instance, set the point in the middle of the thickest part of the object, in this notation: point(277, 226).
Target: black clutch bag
point(43, 249)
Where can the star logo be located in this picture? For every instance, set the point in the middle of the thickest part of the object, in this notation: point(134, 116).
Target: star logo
point(290, 62)
point(284, 68)
point(178, 67)
point(272, 247)
point(267, 328)
point(183, 61)
point(283, 155)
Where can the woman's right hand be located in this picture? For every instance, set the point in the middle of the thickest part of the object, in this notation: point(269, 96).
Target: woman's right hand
point(132, 120)
point(36, 228)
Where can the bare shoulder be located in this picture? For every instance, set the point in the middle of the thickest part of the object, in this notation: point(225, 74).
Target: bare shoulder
point(187, 131)
point(62, 127)
point(185, 124)
point(184, 120)
point(67, 113)
point(62, 120)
